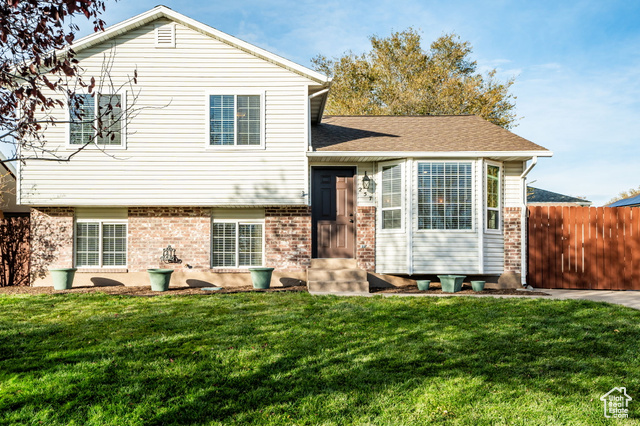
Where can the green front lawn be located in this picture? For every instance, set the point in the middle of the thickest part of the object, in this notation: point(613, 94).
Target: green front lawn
point(95, 359)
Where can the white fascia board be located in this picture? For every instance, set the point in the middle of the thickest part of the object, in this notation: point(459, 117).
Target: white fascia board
point(431, 154)
point(164, 12)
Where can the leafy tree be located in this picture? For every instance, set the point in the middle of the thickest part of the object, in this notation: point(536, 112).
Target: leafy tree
point(38, 71)
point(625, 194)
point(398, 77)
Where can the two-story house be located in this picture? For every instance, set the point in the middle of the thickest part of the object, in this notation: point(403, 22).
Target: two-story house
point(229, 160)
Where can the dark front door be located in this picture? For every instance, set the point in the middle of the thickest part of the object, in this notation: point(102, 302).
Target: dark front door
point(333, 212)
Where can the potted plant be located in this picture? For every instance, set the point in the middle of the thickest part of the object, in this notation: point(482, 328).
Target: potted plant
point(451, 283)
point(423, 285)
point(62, 278)
point(261, 277)
point(477, 285)
point(160, 279)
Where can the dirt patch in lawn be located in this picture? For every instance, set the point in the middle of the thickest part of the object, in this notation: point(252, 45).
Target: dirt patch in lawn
point(145, 290)
point(435, 288)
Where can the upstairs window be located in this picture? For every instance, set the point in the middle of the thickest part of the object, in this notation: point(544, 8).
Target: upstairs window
point(235, 120)
point(101, 125)
point(493, 197)
point(391, 196)
point(445, 195)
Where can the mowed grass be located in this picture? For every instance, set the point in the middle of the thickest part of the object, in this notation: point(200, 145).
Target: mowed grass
point(95, 359)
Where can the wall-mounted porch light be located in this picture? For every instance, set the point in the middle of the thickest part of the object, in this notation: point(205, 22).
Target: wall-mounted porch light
point(366, 181)
point(366, 184)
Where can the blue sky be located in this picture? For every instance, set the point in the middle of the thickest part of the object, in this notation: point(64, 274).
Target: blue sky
point(575, 62)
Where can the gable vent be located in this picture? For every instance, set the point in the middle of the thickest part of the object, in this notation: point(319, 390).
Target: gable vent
point(166, 36)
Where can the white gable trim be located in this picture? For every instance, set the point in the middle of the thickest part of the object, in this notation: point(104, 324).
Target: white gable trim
point(434, 154)
point(164, 12)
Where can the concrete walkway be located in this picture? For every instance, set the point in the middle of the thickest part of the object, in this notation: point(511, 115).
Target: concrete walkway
point(625, 298)
point(630, 299)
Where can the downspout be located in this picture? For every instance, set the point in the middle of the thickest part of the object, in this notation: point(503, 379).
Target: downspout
point(523, 223)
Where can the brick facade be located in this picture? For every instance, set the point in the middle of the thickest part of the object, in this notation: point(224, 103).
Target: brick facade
point(513, 239)
point(366, 237)
point(288, 238)
point(51, 239)
point(186, 229)
point(287, 234)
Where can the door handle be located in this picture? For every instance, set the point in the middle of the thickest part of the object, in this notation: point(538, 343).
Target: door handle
point(350, 220)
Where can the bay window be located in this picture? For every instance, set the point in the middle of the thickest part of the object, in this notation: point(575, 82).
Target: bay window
point(493, 197)
point(445, 195)
point(391, 195)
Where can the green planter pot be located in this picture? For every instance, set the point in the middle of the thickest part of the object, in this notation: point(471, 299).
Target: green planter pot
point(477, 285)
point(62, 278)
point(423, 285)
point(261, 277)
point(160, 279)
point(451, 283)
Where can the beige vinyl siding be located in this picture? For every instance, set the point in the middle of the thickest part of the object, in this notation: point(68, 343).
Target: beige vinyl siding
point(167, 160)
point(101, 213)
point(391, 253)
point(513, 195)
point(237, 214)
point(370, 198)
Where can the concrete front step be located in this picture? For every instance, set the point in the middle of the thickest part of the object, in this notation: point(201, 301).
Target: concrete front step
point(338, 286)
point(336, 275)
point(334, 264)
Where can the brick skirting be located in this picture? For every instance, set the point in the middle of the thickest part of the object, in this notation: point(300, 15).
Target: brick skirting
point(366, 237)
point(513, 239)
point(288, 238)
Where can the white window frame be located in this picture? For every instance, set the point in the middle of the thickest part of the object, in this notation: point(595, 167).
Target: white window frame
point(101, 222)
point(237, 223)
point(474, 207)
point(488, 163)
point(402, 207)
point(94, 144)
point(235, 92)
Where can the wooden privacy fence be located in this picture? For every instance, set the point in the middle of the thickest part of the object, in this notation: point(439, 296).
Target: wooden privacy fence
point(584, 247)
point(14, 251)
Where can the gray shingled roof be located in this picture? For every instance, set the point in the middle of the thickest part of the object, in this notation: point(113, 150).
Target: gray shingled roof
point(537, 195)
point(438, 133)
point(626, 202)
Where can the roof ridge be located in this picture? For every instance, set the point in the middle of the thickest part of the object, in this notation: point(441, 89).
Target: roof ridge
point(402, 116)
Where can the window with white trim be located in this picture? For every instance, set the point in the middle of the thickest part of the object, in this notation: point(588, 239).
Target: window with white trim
point(445, 195)
point(102, 125)
point(100, 244)
point(391, 196)
point(493, 197)
point(237, 244)
point(235, 120)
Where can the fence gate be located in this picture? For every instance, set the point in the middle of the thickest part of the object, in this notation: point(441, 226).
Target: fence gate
point(584, 247)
